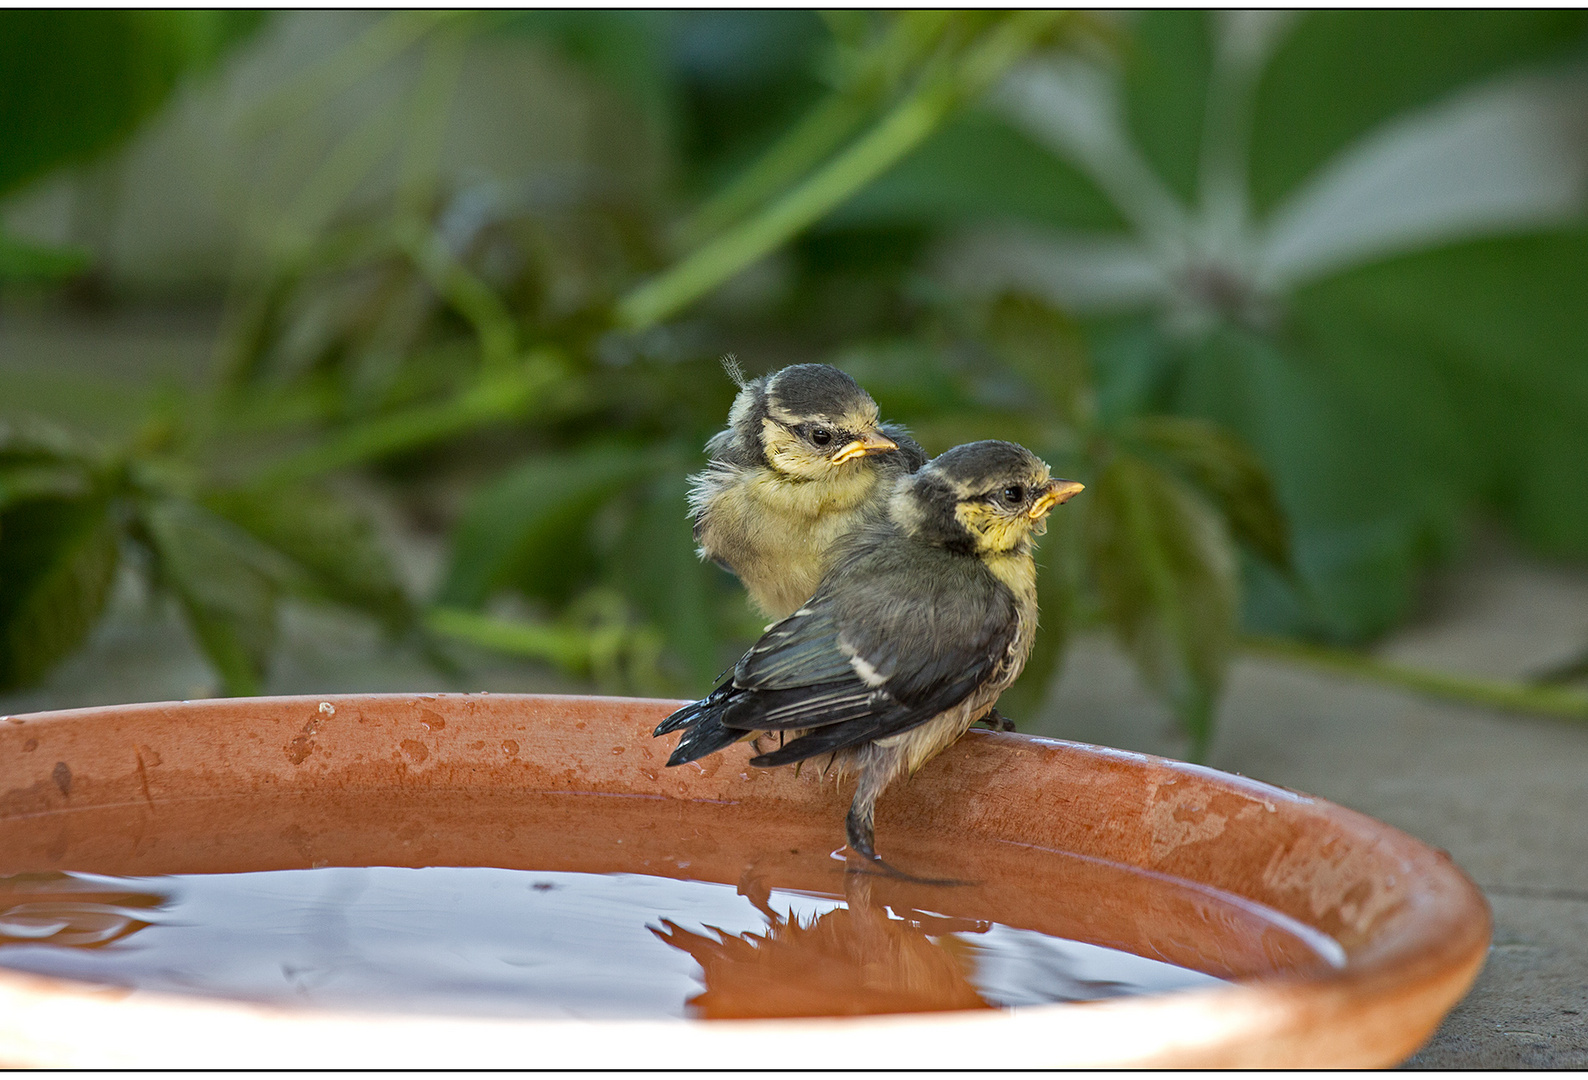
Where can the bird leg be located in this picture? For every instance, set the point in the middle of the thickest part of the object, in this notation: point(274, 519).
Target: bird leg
point(858, 831)
point(879, 766)
point(997, 721)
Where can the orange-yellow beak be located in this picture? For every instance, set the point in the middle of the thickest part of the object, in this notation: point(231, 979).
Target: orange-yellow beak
point(872, 442)
point(1059, 491)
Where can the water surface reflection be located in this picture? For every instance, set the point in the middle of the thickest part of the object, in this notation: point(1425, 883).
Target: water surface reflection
point(487, 941)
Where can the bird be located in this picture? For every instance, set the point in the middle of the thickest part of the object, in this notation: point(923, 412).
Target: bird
point(927, 614)
point(803, 462)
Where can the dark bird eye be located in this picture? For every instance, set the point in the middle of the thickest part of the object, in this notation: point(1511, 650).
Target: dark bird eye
point(1014, 495)
point(821, 436)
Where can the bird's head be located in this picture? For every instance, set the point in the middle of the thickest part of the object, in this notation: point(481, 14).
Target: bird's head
point(981, 498)
point(807, 421)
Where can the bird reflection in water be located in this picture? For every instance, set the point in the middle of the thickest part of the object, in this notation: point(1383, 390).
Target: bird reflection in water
point(70, 910)
point(848, 961)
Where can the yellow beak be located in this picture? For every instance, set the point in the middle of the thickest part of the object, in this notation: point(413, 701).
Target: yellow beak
point(873, 442)
point(1059, 491)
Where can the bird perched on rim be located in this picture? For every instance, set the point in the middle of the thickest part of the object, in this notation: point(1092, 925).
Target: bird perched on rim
point(803, 462)
point(925, 617)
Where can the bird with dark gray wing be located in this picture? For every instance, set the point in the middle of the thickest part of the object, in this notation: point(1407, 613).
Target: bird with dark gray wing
point(804, 462)
point(926, 616)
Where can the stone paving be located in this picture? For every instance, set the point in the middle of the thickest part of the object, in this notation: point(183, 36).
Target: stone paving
point(1504, 794)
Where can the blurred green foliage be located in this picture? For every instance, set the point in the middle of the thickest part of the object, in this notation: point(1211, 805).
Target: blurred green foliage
point(1288, 452)
point(75, 82)
point(1388, 396)
point(68, 513)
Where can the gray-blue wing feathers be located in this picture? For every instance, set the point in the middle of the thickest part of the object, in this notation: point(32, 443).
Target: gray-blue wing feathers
point(898, 633)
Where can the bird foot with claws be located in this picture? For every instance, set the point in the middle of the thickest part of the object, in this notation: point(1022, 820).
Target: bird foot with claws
point(861, 855)
point(997, 721)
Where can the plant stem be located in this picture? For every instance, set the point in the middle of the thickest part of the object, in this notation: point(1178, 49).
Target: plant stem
point(896, 134)
point(566, 648)
point(484, 402)
point(289, 236)
point(708, 267)
point(1468, 690)
point(909, 39)
point(475, 300)
point(812, 139)
point(427, 122)
point(383, 42)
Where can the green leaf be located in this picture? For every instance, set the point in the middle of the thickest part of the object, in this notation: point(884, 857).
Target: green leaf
point(1167, 67)
point(73, 82)
point(25, 263)
point(20, 483)
point(57, 563)
point(1397, 396)
point(715, 83)
point(336, 547)
point(27, 439)
point(1044, 348)
point(1005, 39)
point(909, 376)
point(1166, 576)
point(1229, 473)
point(979, 168)
point(1340, 73)
point(527, 528)
point(1366, 503)
point(39, 461)
point(626, 47)
point(628, 50)
point(227, 583)
point(1479, 348)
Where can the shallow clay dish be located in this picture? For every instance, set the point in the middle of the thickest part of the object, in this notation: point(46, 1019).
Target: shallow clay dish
point(277, 783)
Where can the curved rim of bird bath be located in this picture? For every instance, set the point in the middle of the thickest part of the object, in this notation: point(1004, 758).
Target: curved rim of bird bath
point(1411, 927)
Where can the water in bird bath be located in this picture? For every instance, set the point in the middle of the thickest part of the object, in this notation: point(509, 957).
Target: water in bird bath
point(485, 940)
point(575, 905)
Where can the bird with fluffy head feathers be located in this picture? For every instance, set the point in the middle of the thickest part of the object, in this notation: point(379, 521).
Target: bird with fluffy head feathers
point(926, 615)
point(804, 462)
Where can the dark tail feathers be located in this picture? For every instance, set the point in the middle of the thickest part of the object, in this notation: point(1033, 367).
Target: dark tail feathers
point(706, 737)
point(684, 717)
point(692, 713)
point(701, 720)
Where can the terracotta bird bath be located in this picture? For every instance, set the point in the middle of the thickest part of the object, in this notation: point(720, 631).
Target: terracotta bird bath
point(1344, 941)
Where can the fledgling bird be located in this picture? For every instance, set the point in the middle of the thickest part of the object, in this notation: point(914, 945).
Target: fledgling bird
point(803, 463)
point(927, 615)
